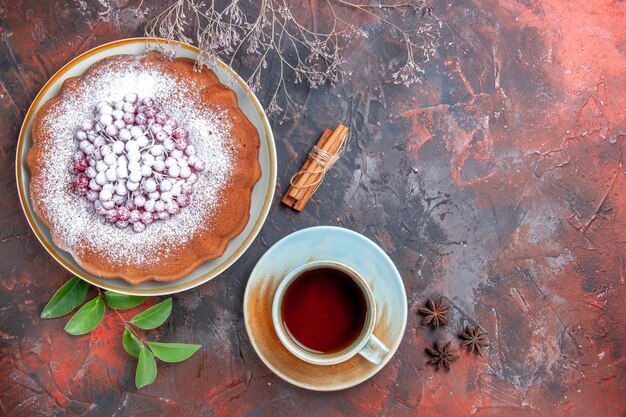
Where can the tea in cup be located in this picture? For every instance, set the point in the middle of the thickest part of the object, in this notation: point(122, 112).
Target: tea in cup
point(324, 313)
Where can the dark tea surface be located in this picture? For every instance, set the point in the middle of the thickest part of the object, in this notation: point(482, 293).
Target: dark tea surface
point(324, 310)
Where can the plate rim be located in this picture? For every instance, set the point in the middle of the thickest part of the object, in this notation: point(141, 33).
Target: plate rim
point(392, 350)
point(109, 283)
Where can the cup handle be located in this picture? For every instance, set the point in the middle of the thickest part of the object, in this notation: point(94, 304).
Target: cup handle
point(374, 350)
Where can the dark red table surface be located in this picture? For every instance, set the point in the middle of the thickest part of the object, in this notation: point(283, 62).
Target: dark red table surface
point(497, 183)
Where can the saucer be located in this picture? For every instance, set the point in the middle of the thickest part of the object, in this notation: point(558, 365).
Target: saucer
point(331, 244)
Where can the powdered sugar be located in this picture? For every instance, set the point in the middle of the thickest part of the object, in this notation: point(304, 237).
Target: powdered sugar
point(72, 216)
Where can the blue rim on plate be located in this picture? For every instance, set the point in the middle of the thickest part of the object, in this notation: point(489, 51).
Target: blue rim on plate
point(262, 195)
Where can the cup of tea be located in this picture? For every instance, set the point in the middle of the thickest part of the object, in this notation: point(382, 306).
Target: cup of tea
point(324, 313)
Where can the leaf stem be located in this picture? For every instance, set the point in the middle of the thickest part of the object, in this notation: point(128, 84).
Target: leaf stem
point(129, 326)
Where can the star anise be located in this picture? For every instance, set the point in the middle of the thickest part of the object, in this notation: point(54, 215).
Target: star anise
point(474, 338)
point(435, 312)
point(441, 355)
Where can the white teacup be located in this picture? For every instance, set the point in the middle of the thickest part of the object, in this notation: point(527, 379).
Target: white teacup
point(366, 344)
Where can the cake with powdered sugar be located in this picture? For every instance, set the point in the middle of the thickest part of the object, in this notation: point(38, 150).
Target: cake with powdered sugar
point(143, 167)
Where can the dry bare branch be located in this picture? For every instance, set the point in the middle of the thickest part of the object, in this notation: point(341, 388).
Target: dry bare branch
point(279, 32)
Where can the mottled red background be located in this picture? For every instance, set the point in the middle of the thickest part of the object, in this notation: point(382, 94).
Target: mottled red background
point(497, 183)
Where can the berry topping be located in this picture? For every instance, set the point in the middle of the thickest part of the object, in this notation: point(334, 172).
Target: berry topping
point(159, 206)
point(81, 181)
point(183, 200)
point(81, 164)
point(134, 163)
point(135, 216)
point(130, 98)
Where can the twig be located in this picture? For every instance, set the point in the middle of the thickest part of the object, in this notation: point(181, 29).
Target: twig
point(269, 30)
point(126, 323)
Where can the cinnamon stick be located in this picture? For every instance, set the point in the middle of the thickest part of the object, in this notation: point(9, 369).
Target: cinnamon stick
point(288, 199)
point(309, 191)
point(314, 172)
point(306, 182)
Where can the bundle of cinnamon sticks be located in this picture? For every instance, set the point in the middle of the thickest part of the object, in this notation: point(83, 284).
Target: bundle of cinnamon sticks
point(324, 154)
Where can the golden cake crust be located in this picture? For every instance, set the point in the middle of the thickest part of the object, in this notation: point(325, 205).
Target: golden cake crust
point(211, 237)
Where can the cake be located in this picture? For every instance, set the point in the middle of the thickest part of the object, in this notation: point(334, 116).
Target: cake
point(143, 167)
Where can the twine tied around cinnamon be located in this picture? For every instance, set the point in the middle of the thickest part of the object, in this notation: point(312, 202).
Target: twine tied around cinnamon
point(324, 159)
point(320, 160)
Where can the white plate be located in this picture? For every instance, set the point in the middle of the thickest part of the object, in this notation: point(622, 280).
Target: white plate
point(329, 244)
point(261, 196)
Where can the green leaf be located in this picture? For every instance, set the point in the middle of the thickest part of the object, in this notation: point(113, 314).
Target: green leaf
point(173, 352)
point(146, 369)
point(131, 344)
point(122, 302)
point(87, 318)
point(66, 299)
point(154, 316)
